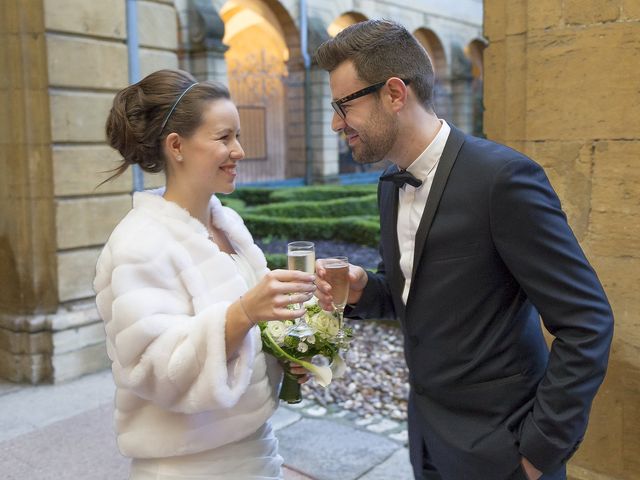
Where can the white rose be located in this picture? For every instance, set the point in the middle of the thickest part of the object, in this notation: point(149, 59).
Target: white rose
point(277, 330)
point(303, 347)
point(320, 321)
point(332, 326)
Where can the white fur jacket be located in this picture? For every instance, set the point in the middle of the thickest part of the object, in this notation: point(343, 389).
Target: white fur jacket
point(163, 289)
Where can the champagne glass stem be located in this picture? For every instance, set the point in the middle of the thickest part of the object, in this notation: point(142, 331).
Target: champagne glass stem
point(341, 337)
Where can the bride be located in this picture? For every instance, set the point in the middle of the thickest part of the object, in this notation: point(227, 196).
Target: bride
point(180, 286)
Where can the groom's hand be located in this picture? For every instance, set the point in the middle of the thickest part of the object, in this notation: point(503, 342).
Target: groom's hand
point(357, 281)
point(530, 471)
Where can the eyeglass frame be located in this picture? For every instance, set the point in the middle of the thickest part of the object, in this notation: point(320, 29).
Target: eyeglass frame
point(337, 104)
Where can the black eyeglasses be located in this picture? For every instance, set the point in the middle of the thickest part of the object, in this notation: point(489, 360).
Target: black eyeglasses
point(337, 105)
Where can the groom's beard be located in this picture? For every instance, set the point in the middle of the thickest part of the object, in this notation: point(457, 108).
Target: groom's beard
point(377, 137)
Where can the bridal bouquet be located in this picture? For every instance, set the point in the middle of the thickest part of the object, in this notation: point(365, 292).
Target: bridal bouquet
point(278, 340)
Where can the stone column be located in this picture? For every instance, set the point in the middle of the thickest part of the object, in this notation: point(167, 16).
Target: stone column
point(203, 50)
point(324, 141)
point(442, 98)
point(561, 85)
point(27, 229)
point(294, 116)
point(62, 61)
point(462, 97)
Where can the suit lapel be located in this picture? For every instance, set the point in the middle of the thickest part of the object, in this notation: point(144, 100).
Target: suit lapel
point(449, 155)
point(389, 232)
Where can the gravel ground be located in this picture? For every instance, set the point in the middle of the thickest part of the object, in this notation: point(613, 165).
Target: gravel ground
point(376, 381)
point(375, 384)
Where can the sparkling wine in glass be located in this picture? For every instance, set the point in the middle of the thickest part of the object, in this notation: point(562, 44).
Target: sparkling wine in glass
point(301, 256)
point(337, 274)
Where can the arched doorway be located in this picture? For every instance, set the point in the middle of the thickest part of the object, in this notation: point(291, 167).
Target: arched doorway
point(474, 52)
point(441, 89)
point(260, 36)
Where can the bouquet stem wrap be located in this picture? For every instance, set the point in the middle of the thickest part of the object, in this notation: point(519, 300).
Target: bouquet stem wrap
point(290, 390)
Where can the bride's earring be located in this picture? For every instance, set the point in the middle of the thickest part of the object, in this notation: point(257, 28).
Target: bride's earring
point(179, 158)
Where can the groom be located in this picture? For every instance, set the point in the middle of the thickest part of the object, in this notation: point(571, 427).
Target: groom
point(475, 251)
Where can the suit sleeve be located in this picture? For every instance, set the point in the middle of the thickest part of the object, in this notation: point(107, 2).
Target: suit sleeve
point(534, 240)
point(376, 299)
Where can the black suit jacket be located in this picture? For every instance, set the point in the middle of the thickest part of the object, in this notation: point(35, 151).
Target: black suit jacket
point(493, 255)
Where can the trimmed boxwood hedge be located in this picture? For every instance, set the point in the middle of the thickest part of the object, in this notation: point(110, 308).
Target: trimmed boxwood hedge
point(347, 213)
point(322, 192)
point(276, 260)
point(234, 203)
point(251, 195)
point(342, 207)
point(363, 231)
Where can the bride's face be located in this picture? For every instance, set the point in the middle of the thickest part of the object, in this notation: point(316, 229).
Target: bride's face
point(211, 154)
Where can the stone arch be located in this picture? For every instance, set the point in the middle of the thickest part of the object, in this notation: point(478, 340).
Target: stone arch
point(432, 44)
point(265, 74)
point(474, 52)
point(442, 87)
point(200, 33)
point(343, 21)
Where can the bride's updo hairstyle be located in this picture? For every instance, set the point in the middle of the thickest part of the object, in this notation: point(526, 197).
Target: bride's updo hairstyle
point(143, 114)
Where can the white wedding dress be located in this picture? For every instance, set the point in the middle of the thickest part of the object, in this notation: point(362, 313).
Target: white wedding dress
point(253, 458)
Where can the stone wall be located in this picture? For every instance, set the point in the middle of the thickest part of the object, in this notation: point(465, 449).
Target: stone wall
point(561, 85)
point(76, 60)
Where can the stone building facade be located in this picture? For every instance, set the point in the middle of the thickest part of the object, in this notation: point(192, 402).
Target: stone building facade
point(556, 86)
point(561, 85)
point(62, 62)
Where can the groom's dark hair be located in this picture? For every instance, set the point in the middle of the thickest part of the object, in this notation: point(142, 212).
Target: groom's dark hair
point(380, 49)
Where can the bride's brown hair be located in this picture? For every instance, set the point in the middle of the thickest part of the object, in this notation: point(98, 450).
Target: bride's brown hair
point(143, 114)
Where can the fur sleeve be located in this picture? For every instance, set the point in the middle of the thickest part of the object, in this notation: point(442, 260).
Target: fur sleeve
point(163, 348)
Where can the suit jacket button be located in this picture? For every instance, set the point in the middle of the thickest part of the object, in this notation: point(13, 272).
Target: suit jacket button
point(414, 340)
point(419, 389)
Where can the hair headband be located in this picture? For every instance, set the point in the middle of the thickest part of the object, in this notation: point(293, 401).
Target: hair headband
point(166, 119)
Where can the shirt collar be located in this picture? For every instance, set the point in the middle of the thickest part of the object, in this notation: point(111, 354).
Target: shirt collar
point(428, 159)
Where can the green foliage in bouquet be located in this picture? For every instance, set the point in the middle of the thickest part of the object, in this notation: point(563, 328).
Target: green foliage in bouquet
point(277, 341)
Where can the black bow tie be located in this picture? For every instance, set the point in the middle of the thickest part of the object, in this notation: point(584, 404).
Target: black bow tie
point(400, 178)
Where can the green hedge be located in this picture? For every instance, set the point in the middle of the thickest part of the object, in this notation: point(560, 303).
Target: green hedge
point(342, 207)
point(347, 213)
point(322, 192)
point(276, 260)
point(363, 231)
point(252, 195)
point(231, 202)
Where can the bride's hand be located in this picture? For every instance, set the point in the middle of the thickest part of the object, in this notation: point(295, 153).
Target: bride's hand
point(270, 298)
point(301, 371)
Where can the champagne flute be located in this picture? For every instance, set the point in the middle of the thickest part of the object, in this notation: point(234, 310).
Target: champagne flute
point(301, 256)
point(337, 274)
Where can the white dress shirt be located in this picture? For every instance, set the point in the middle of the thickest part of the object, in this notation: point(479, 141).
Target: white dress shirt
point(412, 201)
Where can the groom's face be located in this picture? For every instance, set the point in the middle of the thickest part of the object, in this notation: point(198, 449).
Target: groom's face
point(370, 130)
